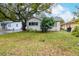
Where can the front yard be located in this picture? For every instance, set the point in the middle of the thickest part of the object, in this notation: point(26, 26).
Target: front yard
point(34, 43)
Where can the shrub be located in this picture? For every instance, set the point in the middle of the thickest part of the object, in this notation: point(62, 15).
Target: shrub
point(47, 23)
point(31, 30)
point(75, 31)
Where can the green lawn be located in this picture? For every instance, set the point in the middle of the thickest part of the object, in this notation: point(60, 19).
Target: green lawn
point(34, 43)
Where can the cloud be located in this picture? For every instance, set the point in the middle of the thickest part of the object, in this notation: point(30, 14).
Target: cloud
point(67, 16)
point(62, 12)
point(57, 9)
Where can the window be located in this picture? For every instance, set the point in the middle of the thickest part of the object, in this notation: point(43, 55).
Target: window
point(33, 23)
point(9, 25)
point(16, 25)
point(36, 23)
point(30, 23)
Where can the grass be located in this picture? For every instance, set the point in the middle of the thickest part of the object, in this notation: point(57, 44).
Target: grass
point(39, 44)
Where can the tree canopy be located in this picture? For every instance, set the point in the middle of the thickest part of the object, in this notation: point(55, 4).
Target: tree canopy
point(21, 11)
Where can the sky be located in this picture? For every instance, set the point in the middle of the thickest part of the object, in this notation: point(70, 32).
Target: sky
point(64, 10)
point(70, 6)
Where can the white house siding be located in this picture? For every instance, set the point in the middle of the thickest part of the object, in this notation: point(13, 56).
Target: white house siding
point(34, 27)
point(56, 27)
point(0, 26)
point(15, 26)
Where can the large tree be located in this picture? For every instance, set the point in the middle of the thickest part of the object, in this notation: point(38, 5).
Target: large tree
point(21, 11)
point(76, 12)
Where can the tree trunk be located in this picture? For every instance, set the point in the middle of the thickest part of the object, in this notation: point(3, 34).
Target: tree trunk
point(44, 29)
point(23, 26)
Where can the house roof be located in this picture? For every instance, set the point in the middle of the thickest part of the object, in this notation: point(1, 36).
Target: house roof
point(7, 21)
point(55, 18)
point(35, 18)
point(58, 19)
point(71, 22)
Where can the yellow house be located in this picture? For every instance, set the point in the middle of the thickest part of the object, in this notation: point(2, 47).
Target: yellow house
point(72, 24)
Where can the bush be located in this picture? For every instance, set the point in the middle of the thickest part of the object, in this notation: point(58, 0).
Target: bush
point(47, 23)
point(31, 30)
point(75, 32)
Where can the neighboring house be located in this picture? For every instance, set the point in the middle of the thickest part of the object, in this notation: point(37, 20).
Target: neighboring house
point(12, 26)
point(64, 26)
point(34, 24)
point(71, 23)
